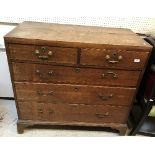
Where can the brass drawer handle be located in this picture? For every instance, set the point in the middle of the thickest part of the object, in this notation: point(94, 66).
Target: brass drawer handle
point(50, 53)
point(44, 57)
point(41, 54)
point(44, 76)
point(74, 105)
point(44, 94)
point(77, 70)
point(113, 61)
point(114, 58)
point(99, 115)
point(51, 111)
point(41, 75)
point(40, 111)
point(105, 98)
point(76, 89)
point(114, 75)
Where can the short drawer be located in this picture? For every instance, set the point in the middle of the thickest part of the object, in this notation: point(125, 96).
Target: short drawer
point(73, 113)
point(72, 75)
point(43, 54)
point(114, 58)
point(74, 94)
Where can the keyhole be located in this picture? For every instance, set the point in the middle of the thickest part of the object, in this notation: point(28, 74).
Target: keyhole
point(43, 49)
point(114, 54)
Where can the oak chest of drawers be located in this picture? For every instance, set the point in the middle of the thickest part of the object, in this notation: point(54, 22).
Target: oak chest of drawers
point(74, 75)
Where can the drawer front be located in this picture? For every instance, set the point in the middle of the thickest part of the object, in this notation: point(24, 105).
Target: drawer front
point(59, 74)
point(74, 113)
point(43, 54)
point(74, 94)
point(26, 110)
point(114, 58)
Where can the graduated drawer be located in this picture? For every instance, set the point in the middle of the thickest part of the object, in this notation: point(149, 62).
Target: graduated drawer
point(74, 94)
point(43, 54)
point(72, 113)
point(72, 75)
point(114, 58)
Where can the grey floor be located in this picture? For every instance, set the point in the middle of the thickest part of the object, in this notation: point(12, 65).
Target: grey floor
point(8, 119)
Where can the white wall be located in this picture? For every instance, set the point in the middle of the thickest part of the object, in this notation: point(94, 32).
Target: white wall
point(136, 24)
point(5, 82)
point(77, 8)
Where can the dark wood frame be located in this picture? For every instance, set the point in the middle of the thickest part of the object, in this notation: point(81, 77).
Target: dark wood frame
point(146, 106)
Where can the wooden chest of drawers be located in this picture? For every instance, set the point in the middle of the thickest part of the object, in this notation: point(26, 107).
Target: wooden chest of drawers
point(74, 75)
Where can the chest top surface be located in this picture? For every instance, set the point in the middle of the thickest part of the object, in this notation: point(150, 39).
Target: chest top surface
point(64, 35)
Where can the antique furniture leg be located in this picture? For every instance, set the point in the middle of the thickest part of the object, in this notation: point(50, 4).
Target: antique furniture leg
point(20, 127)
point(122, 130)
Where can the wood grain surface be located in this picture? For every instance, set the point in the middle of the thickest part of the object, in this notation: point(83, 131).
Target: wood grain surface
point(58, 54)
point(74, 94)
point(72, 113)
point(74, 35)
point(73, 75)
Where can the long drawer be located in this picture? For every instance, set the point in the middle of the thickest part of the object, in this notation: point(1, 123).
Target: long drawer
point(72, 113)
point(74, 94)
point(43, 54)
point(72, 75)
point(113, 58)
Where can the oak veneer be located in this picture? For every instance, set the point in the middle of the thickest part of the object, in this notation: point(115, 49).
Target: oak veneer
point(74, 75)
point(74, 94)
